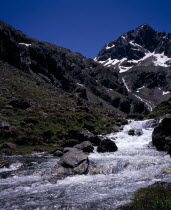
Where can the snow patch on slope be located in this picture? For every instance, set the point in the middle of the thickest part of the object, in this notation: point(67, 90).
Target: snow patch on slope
point(156, 60)
point(126, 85)
point(148, 104)
point(109, 47)
point(165, 92)
point(27, 45)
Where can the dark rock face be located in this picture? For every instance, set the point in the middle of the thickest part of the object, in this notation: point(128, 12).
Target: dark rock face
point(134, 45)
point(143, 57)
point(69, 71)
point(72, 162)
point(85, 146)
point(161, 136)
point(107, 145)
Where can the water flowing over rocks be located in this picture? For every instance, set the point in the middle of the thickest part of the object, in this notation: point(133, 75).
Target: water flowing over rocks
point(109, 182)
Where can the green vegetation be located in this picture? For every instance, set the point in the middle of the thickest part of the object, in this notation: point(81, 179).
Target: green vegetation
point(161, 110)
point(52, 113)
point(150, 199)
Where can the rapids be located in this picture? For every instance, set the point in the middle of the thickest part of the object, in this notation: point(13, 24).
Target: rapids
point(112, 179)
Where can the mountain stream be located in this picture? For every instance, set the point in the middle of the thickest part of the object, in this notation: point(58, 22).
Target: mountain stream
point(29, 184)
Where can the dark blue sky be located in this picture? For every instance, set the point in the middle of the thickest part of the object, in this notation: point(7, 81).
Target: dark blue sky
point(84, 25)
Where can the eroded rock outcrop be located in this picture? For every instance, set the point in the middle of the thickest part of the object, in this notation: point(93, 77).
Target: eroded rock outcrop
point(161, 136)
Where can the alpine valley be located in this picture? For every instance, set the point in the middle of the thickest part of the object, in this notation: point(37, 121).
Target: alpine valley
point(84, 134)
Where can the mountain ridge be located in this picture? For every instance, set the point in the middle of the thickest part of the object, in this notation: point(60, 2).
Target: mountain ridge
point(69, 71)
point(143, 58)
point(135, 46)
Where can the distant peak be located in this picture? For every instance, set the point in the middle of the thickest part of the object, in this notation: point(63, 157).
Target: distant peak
point(144, 27)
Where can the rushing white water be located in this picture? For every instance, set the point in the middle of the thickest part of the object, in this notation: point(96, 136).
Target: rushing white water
point(112, 179)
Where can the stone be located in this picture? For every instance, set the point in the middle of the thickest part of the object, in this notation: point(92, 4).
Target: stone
point(58, 153)
point(139, 132)
point(72, 162)
point(5, 125)
point(6, 152)
point(5, 164)
point(85, 146)
point(22, 123)
point(81, 136)
point(9, 145)
point(67, 149)
point(131, 132)
point(107, 145)
point(116, 128)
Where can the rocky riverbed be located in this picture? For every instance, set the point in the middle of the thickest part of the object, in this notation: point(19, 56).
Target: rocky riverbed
point(30, 182)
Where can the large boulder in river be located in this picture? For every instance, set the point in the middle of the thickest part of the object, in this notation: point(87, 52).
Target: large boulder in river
point(137, 132)
point(107, 145)
point(131, 132)
point(161, 136)
point(85, 146)
point(72, 162)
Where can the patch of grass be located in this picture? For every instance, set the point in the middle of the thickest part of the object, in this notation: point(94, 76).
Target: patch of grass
point(150, 199)
point(2, 101)
point(161, 110)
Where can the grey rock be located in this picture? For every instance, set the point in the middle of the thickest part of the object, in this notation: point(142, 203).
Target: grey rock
point(82, 136)
point(9, 145)
point(72, 162)
point(5, 125)
point(67, 149)
point(85, 146)
point(116, 128)
point(73, 158)
point(139, 132)
point(131, 132)
point(58, 153)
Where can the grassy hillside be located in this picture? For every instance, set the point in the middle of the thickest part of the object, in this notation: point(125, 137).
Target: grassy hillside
point(51, 113)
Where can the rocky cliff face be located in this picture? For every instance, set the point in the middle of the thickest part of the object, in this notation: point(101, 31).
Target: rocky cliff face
point(73, 73)
point(142, 46)
point(143, 58)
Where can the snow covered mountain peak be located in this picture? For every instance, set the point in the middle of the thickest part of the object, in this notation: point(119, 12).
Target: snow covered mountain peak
point(142, 46)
